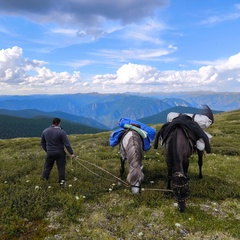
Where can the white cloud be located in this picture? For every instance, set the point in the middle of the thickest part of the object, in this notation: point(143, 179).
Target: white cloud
point(146, 78)
point(135, 54)
point(25, 76)
point(65, 31)
point(216, 19)
point(17, 73)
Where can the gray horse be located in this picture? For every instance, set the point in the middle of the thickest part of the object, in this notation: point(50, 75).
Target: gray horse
point(131, 149)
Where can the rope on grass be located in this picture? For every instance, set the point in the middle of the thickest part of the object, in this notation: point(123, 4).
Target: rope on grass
point(119, 179)
point(78, 161)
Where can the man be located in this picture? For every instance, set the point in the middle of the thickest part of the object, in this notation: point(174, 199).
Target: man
point(53, 141)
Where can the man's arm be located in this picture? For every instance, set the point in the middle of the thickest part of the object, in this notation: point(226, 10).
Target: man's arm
point(67, 144)
point(43, 143)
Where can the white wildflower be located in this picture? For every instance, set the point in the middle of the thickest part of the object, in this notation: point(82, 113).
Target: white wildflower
point(70, 185)
point(84, 197)
point(27, 181)
point(177, 224)
point(77, 198)
point(151, 182)
point(36, 187)
point(140, 234)
point(49, 186)
point(5, 182)
point(110, 189)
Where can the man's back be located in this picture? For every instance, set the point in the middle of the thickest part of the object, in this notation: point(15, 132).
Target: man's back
point(53, 139)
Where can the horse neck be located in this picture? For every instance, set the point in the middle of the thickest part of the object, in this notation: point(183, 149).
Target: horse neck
point(178, 148)
point(132, 148)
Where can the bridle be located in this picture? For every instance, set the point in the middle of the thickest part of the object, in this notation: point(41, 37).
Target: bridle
point(136, 186)
point(178, 187)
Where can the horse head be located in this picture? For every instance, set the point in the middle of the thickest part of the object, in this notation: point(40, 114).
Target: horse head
point(135, 178)
point(180, 189)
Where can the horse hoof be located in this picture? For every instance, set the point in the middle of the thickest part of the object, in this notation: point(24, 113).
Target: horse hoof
point(181, 206)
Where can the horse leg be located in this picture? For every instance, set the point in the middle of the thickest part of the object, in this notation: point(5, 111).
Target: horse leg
point(200, 162)
point(185, 167)
point(122, 161)
point(169, 178)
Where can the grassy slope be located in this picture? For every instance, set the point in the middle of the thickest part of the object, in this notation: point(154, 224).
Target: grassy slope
point(94, 207)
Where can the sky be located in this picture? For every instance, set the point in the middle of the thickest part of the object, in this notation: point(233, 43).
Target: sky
point(105, 46)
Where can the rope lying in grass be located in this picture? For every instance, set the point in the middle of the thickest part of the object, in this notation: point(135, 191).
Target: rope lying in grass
point(119, 179)
point(78, 161)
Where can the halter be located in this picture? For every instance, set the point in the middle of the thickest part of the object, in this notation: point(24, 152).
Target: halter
point(135, 186)
point(177, 188)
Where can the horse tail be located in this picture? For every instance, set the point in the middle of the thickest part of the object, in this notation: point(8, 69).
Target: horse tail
point(208, 112)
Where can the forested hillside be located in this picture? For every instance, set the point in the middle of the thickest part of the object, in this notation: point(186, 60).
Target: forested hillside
point(15, 127)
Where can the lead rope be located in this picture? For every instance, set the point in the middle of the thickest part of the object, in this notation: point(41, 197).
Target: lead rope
point(119, 179)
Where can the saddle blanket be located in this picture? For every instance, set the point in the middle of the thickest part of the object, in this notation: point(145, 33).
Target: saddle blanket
point(202, 120)
point(147, 133)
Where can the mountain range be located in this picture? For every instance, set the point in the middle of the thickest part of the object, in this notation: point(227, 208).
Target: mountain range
point(103, 111)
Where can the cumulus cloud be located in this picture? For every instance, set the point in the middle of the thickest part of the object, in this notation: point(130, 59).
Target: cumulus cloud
point(18, 73)
point(133, 77)
point(31, 77)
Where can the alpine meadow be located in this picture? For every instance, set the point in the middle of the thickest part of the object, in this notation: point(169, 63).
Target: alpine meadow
point(93, 206)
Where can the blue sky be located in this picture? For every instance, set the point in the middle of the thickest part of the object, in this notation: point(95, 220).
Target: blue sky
point(79, 46)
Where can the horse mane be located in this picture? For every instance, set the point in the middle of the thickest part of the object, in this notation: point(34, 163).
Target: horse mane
point(134, 154)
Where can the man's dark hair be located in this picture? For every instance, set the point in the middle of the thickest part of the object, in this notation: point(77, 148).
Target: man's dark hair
point(56, 121)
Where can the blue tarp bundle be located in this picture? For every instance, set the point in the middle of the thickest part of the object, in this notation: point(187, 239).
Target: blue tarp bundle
point(117, 134)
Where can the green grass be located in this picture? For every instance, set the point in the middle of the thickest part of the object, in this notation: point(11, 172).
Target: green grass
point(93, 206)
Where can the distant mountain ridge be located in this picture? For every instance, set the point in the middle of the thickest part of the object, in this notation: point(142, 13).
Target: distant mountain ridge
point(223, 101)
point(107, 109)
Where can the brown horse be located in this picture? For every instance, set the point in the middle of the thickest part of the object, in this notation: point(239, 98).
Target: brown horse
point(179, 139)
